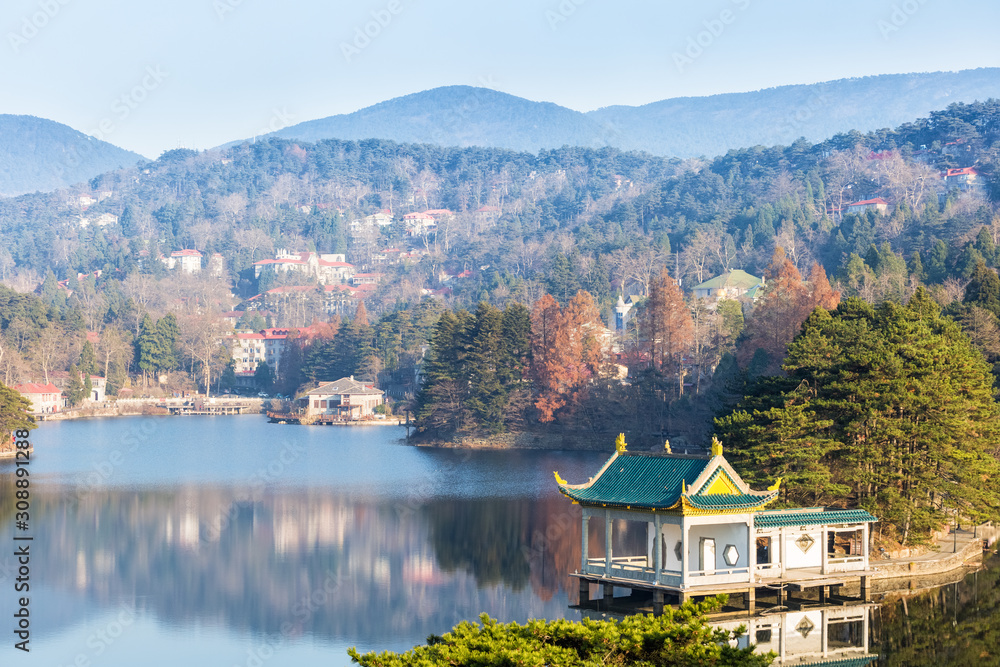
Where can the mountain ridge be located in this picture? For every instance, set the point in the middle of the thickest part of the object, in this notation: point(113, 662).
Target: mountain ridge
point(38, 154)
point(676, 127)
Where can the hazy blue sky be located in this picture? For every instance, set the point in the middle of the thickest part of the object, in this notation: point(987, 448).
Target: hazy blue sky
point(199, 73)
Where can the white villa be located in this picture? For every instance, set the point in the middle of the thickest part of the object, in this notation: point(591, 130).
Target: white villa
point(714, 533)
point(327, 268)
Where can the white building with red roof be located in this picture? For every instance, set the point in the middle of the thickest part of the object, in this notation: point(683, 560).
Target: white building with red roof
point(878, 205)
point(962, 178)
point(45, 398)
point(326, 268)
point(188, 260)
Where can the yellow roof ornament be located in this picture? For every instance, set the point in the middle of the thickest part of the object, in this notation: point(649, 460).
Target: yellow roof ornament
point(774, 487)
point(666, 446)
point(620, 443)
point(683, 487)
point(716, 446)
point(559, 480)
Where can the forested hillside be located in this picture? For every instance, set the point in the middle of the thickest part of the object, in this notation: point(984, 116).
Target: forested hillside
point(42, 155)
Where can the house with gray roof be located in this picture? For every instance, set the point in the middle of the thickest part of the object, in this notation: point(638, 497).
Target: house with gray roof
point(346, 399)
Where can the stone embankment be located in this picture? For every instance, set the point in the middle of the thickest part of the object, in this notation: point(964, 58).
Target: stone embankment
point(948, 554)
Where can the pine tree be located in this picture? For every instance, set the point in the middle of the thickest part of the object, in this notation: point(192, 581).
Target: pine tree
point(14, 409)
point(983, 289)
point(88, 359)
point(892, 402)
point(76, 392)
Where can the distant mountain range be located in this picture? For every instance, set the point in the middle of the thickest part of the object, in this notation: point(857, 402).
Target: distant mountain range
point(681, 127)
point(43, 155)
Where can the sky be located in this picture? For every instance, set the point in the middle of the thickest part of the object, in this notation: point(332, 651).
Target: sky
point(151, 76)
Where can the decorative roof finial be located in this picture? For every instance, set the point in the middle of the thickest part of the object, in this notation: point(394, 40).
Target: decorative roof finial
point(775, 486)
point(716, 446)
point(666, 446)
point(620, 443)
point(559, 480)
point(683, 487)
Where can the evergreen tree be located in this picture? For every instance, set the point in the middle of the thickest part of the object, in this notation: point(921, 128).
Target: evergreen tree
point(892, 402)
point(76, 392)
point(88, 360)
point(441, 403)
point(14, 415)
point(263, 377)
point(983, 289)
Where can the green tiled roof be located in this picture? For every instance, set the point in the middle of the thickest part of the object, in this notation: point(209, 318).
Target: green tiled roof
point(729, 501)
point(811, 517)
point(734, 278)
point(642, 481)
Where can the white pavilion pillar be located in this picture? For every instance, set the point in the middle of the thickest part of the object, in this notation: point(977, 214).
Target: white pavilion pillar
point(607, 542)
point(825, 553)
point(684, 551)
point(864, 544)
point(781, 550)
point(584, 542)
point(658, 548)
point(752, 549)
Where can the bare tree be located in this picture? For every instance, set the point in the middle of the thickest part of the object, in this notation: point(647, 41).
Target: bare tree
point(47, 348)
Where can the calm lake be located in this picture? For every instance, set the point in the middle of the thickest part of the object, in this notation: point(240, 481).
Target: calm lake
point(229, 541)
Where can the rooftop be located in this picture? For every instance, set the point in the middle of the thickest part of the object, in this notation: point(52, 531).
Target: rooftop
point(668, 481)
point(345, 386)
point(734, 278)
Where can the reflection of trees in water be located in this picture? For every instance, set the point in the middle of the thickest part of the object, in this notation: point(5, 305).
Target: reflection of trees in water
point(252, 564)
point(482, 537)
point(958, 624)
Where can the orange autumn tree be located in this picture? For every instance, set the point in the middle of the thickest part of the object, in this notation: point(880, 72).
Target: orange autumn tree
point(666, 327)
point(788, 300)
point(566, 353)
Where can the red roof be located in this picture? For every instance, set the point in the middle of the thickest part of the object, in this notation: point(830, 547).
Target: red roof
point(323, 262)
point(964, 171)
point(877, 200)
point(187, 252)
point(250, 336)
point(37, 388)
point(417, 216)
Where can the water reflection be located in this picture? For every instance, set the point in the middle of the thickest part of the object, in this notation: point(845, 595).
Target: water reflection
point(330, 566)
point(357, 541)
